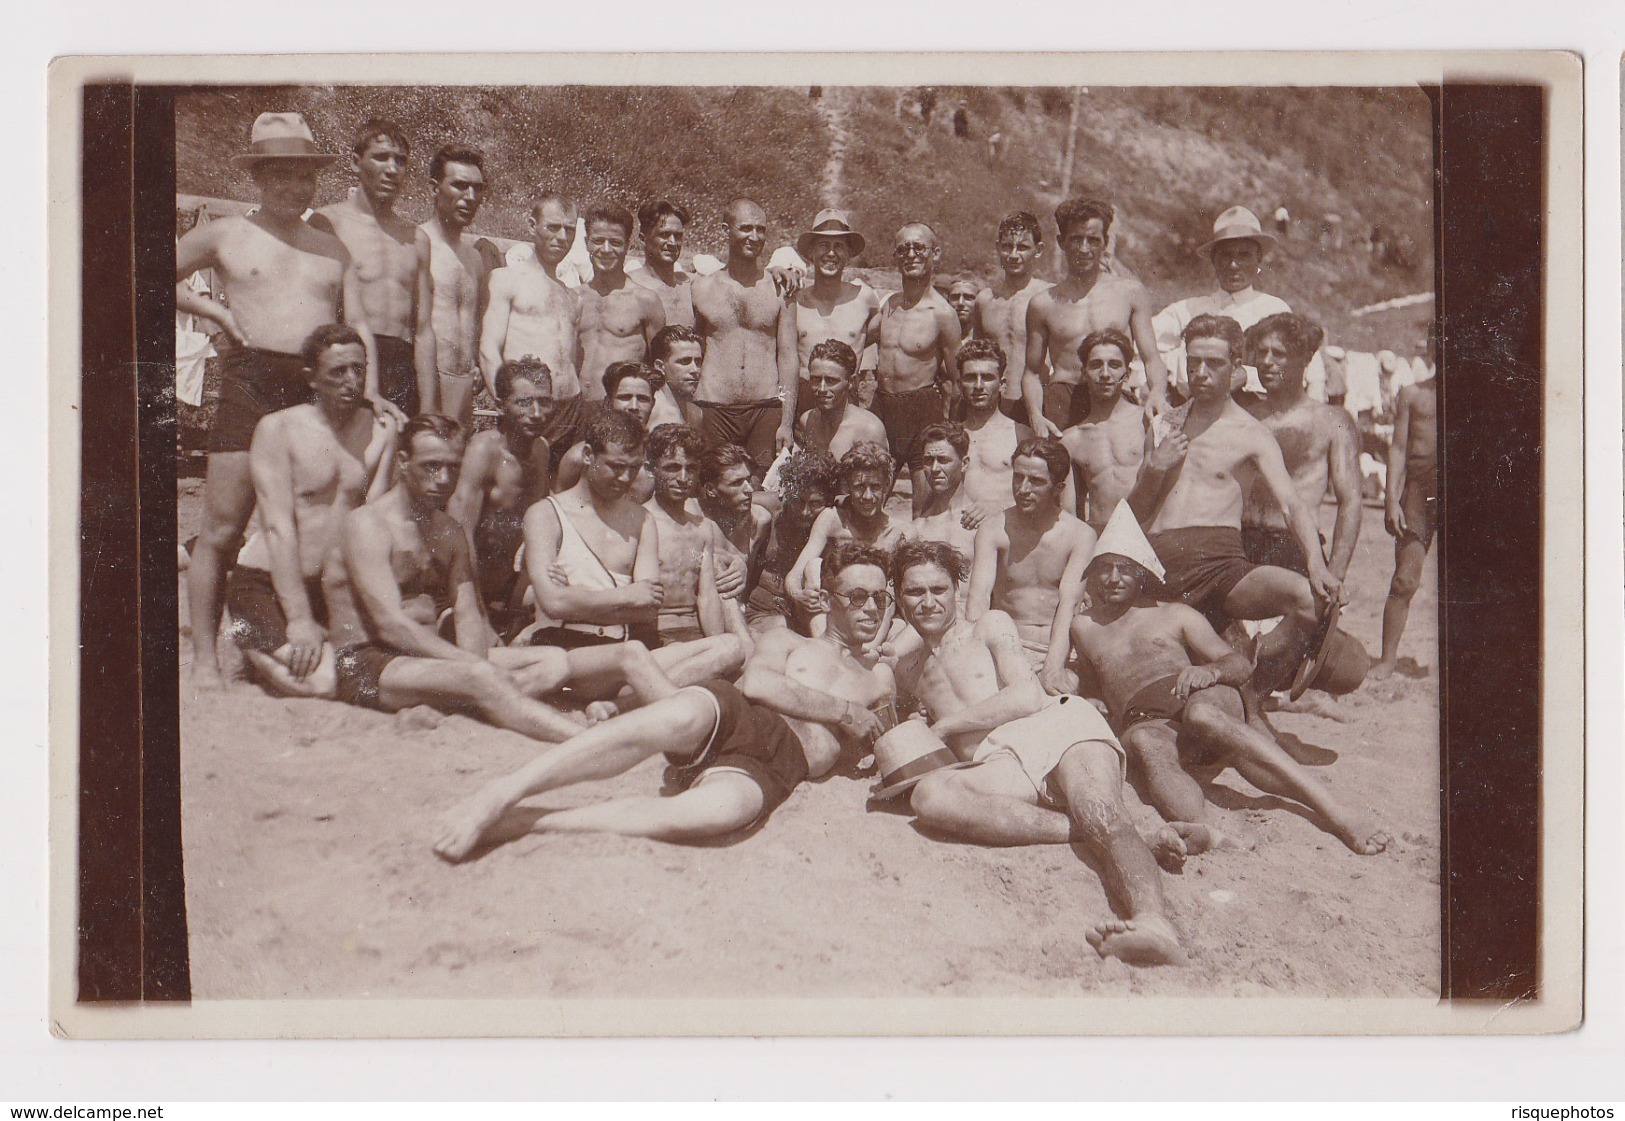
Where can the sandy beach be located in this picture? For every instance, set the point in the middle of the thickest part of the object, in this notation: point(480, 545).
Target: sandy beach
point(309, 871)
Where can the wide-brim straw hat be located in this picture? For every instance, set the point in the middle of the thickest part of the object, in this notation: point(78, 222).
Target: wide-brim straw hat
point(282, 136)
point(830, 223)
point(908, 753)
point(1238, 224)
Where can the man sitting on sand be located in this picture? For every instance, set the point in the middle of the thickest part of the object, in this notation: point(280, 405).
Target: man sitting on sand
point(505, 472)
point(859, 516)
point(993, 435)
point(1172, 684)
point(676, 353)
point(1026, 555)
point(834, 422)
point(1190, 494)
point(947, 515)
point(1108, 445)
point(739, 752)
point(593, 556)
point(629, 388)
point(725, 494)
point(1047, 769)
point(812, 482)
point(699, 598)
point(404, 568)
point(312, 464)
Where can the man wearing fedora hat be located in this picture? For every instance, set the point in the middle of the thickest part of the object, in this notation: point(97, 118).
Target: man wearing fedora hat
point(1173, 688)
point(737, 751)
point(392, 258)
point(1236, 250)
point(285, 278)
point(1046, 770)
point(1091, 298)
point(831, 307)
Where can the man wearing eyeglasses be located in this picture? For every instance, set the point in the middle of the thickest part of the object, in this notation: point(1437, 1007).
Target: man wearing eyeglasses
point(738, 751)
point(918, 335)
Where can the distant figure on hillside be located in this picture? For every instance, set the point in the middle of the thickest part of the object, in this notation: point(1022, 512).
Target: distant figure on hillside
point(961, 123)
point(1283, 221)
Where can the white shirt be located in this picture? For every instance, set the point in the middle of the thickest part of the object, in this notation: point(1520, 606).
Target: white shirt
point(1246, 307)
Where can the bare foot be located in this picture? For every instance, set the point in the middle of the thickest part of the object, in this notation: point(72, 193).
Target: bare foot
point(206, 679)
point(601, 710)
point(1382, 671)
point(1370, 846)
point(461, 827)
point(1142, 940)
point(1316, 703)
point(1179, 839)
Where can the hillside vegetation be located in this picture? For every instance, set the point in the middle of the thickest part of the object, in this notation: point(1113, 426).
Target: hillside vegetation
point(1169, 159)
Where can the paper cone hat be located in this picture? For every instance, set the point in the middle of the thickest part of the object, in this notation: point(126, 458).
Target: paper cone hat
point(1123, 537)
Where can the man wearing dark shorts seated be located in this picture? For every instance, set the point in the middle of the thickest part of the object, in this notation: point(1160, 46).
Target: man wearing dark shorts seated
point(312, 464)
point(738, 752)
point(285, 279)
point(505, 472)
point(1190, 492)
point(811, 482)
point(1171, 684)
point(403, 573)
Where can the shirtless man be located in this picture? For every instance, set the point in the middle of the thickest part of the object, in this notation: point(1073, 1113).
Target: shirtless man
point(699, 599)
point(1028, 555)
point(1108, 445)
point(947, 515)
point(812, 482)
point(1047, 769)
point(1088, 300)
point(1319, 444)
point(1190, 494)
point(403, 570)
point(748, 379)
point(1001, 311)
point(993, 435)
point(662, 225)
point(458, 178)
point(860, 517)
point(739, 752)
point(311, 465)
point(285, 279)
point(676, 353)
point(918, 337)
point(833, 422)
point(618, 318)
point(504, 473)
point(1171, 684)
point(629, 388)
point(961, 296)
point(1412, 515)
point(831, 307)
point(725, 498)
point(607, 550)
point(391, 258)
point(532, 314)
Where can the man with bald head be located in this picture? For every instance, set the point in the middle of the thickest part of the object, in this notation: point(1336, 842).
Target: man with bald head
point(748, 377)
point(918, 336)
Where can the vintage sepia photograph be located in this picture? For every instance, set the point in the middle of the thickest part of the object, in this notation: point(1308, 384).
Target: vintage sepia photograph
point(965, 546)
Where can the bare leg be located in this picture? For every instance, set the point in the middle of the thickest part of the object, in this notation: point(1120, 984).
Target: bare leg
point(989, 804)
point(228, 497)
point(687, 663)
point(430, 681)
point(1154, 748)
point(1408, 557)
point(1264, 593)
point(1088, 777)
point(1214, 716)
point(818, 744)
point(457, 397)
point(714, 806)
point(272, 670)
point(678, 724)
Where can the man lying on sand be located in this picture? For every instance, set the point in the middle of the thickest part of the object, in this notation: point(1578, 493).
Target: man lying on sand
point(1047, 770)
point(739, 752)
point(404, 567)
point(1172, 686)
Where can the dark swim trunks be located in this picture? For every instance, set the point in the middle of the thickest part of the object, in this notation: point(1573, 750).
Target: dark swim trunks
point(1204, 563)
point(563, 428)
point(567, 638)
point(747, 738)
point(1420, 502)
point(360, 669)
point(398, 373)
point(904, 416)
point(753, 426)
point(1277, 547)
point(1065, 404)
point(258, 621)
point(497, 538)
point(1155, 702)
point(255, 384)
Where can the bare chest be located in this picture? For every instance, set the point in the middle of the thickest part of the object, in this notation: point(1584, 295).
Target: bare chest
point(911, 330)
point(728, 305)
point(380, 252)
